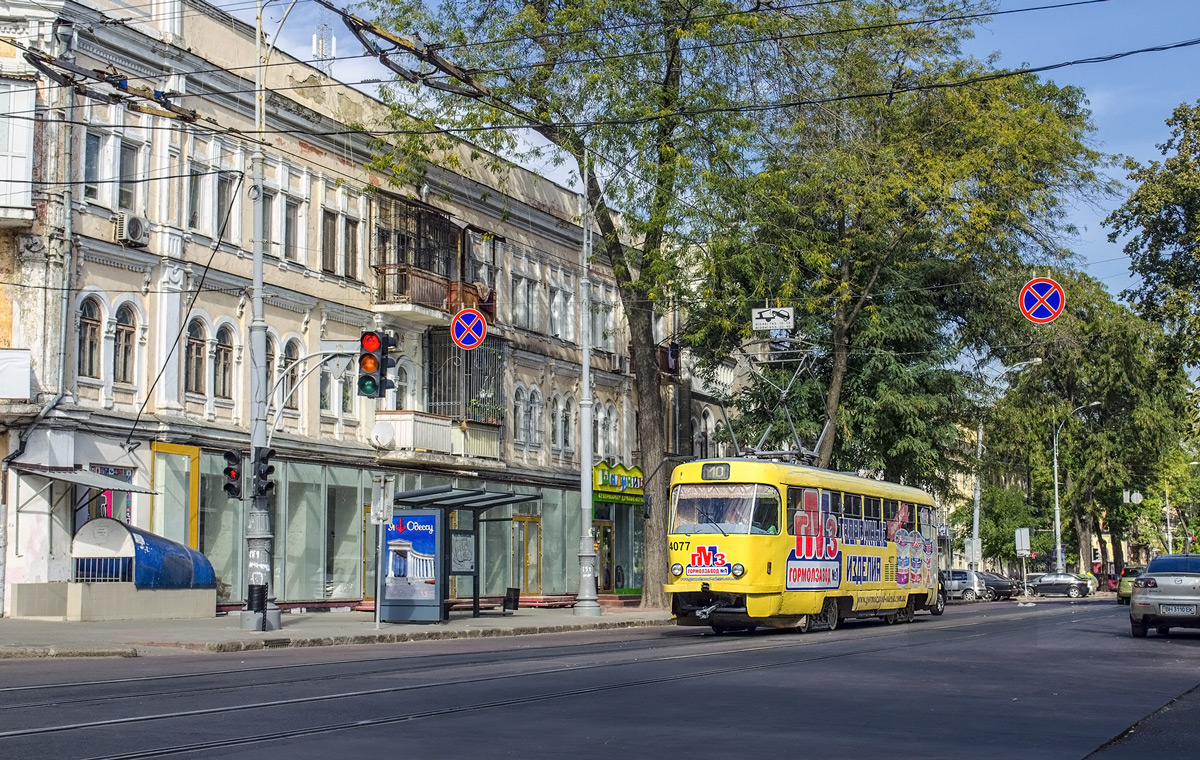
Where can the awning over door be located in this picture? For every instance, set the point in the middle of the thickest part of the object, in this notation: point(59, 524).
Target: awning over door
point(451, 497)
point(85, 478)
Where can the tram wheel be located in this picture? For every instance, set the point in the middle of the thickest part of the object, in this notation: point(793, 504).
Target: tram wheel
point(829, 614)
point(909, 613)
point(804, 624)
point(719, 629)
point(940, 605)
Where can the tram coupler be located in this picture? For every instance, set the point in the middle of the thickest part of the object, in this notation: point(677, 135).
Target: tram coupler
point(704, 612)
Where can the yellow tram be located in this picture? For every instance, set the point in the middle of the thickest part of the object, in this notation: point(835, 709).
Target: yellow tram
point(759, 543)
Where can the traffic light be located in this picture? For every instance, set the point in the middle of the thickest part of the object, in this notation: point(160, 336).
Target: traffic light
point(263, 485)
point(233, 474)
point(374, 362)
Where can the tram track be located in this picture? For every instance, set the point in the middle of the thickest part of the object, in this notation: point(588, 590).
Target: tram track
point(891, 639)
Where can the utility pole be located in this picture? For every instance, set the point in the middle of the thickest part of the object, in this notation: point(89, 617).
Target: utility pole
point(585, 601)
point(259, 538)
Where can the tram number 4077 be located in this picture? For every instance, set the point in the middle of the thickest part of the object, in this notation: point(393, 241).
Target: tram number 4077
point(680, 545)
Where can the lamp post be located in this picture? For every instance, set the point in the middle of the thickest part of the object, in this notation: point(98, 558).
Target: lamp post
point(975, 555)
point(1058, 552)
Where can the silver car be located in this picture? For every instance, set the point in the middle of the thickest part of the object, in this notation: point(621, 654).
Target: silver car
point(1166, 596)
point(966, 585)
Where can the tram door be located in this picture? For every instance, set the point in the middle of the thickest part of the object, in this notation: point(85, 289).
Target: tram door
point(527, 554)
point(604, 536)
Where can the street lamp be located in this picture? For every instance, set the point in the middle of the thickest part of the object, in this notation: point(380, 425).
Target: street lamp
point(1058, 552)
point(976, 554)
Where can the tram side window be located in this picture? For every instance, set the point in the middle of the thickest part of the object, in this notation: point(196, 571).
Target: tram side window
point(871, 510)
point(831, 501)
point(852, 505)
point(908, 516)
point(891, 517)
point(804, 511)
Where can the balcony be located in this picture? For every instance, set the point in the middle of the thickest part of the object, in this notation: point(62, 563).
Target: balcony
point(415, 294)
point(419, 432)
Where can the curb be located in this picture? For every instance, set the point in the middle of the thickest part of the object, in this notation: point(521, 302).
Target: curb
point(44, 652)
point(434, 635)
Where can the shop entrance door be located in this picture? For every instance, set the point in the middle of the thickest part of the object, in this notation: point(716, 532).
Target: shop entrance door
point(604, 536)
point(527, 554)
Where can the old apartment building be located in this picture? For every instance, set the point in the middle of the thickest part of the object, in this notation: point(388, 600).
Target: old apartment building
point(126, 240)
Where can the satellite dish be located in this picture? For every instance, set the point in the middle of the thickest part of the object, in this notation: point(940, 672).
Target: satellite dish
point(383, 436)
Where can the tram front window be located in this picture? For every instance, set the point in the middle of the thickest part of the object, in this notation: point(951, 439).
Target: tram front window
point(729, 508)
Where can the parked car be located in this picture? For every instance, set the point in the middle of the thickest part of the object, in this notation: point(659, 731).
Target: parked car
point(1070, 584)
point(966, 585)
point(1026, 586)
point(1166, 595)
point(998, 587)
point(1125, 585)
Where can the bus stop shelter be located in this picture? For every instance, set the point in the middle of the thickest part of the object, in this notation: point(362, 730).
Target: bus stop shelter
point(420, 552)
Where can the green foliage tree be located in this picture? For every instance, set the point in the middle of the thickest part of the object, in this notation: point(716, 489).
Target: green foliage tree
point(1161, 219)
point(1098, 352)
point(893, 224)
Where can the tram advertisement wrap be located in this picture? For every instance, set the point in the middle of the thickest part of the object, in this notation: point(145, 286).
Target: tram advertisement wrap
point(708, 562)
point(816, 562)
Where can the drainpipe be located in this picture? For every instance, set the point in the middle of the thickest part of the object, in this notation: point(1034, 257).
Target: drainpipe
point(64, 31)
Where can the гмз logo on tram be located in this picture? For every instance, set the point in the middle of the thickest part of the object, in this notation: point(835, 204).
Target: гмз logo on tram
point(708, 562)
point(816, 562)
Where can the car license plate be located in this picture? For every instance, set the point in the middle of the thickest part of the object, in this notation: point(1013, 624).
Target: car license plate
point(1177, 609)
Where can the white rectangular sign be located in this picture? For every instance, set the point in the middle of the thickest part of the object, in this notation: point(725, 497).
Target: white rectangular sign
point(781, 318)
point(1022, 539)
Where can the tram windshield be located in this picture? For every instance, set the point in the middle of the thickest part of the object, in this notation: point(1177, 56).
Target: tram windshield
point(729, 508)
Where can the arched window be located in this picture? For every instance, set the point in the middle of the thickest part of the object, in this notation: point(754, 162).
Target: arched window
point(610, 431)
point(291, 376)
point(269, 391)
point(568, 425)
point(556, 423)
point(403, 391)
point(223, 375)
point(519, 429)
point(89, 338)
point(123, 346)
point(705, 433)
point(193, 376)
point(533, 418)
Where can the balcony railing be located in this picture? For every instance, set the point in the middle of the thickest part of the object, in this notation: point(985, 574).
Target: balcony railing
point(417, 431)
point(405, 283)
point(477, 440)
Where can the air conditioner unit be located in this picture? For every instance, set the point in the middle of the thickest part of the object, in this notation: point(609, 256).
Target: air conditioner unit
point(132, 231)
point(623, 365)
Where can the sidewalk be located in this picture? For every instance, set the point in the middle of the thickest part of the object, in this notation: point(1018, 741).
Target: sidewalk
point(31, 638)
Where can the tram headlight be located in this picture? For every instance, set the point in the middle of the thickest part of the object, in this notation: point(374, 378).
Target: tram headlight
point(738, 570)
point(677, 569)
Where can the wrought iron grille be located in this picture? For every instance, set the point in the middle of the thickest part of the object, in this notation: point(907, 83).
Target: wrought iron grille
point(466, 384)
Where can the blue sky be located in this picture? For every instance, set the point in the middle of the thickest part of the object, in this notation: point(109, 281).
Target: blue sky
point(1130, 98)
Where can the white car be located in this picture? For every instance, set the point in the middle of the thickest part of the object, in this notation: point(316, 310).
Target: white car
point(966, 585)
point(1166, 596)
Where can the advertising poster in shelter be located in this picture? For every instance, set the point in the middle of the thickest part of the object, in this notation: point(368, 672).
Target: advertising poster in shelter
point(410, 567)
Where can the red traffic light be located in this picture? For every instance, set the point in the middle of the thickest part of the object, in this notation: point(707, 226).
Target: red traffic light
point(369, 341)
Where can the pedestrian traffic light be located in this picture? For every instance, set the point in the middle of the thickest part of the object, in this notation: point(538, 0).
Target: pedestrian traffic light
point(374, 363)
point(263, 485)
point(233, 474)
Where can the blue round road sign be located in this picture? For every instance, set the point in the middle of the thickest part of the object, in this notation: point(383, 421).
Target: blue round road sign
point(468, 329)
point(1042, 300)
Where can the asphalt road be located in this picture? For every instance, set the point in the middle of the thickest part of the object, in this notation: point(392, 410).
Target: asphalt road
point(1056, 680)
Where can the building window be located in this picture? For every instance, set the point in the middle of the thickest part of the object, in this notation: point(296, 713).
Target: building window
point(403, 400)
point(268, 226)
point(224, 213)
point(347, 395)
point(556, 422)
point(127, 187)
point(329, 240)
point(568, 425)
point(519, 419)
point(89, 339)
point(123, 346)
point(269, 391)
point(223, 375)
point(291, 230)
point(194, 193)
point(351, 256)
point(91, 167)
point(533, 418)
point(196, 350)
point(291, 375)
point(325, 389)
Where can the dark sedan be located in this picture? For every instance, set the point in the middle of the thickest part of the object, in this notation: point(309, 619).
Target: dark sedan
point(1060, 583)
point(998, 587)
